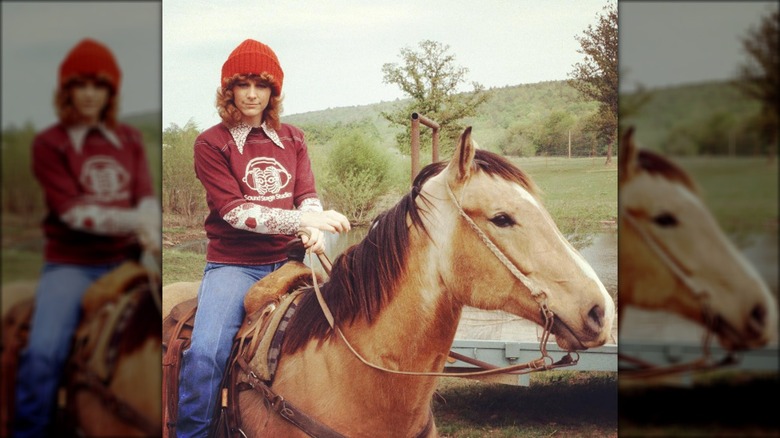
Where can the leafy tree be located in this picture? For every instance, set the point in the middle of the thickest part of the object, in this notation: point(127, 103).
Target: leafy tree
point(759, 76)
point(431, 78)
point(597, 76)
point(552, 136)
point(518, 140)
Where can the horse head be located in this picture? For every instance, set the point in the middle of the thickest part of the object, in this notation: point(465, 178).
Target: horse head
point(503, 251)
point(673, 255)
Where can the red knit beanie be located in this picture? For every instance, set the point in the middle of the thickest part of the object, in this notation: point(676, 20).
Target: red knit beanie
point(90, 58)
point(253, 57)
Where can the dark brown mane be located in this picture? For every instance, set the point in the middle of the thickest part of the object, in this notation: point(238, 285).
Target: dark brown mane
point(656, 164)
point(365, 275)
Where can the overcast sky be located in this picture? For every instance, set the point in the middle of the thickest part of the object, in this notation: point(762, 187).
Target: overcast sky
point(669, 43)
point(36, 36)
point(332, 51)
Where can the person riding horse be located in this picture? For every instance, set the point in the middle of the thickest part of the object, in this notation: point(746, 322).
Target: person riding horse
point(260, 190)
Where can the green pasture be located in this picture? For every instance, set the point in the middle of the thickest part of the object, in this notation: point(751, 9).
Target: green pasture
point(182, 266)
point(579, 193)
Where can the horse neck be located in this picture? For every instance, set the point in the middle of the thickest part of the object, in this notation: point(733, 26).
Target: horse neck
point(416, 328)
point(413, 332)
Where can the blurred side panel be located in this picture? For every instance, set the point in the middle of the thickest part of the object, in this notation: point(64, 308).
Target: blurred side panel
point(698, 218)
point(122, 347)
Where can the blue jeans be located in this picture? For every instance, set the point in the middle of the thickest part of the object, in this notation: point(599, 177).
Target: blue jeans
point(219, 315)
point(54, 320)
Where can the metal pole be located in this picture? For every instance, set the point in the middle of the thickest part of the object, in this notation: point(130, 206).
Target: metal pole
point(435, 145)
point(415, 146)
point(416, 120)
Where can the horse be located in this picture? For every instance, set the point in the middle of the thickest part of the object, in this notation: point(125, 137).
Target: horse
point(675, 258)
point(471, 232)
point(112, 378)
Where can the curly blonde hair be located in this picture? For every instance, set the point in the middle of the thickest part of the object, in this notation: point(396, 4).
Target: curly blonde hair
point(231, 115)
point(66, 111)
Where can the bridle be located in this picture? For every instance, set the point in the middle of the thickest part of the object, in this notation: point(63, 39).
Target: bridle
point(544, 362)
point(647, 369)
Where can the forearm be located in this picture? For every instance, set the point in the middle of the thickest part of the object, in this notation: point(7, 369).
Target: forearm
point(266, 220)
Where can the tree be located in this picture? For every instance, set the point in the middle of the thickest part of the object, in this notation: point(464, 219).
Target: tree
point(431, 78)
point(551, 136)
point(596, 77)
point(759, 77)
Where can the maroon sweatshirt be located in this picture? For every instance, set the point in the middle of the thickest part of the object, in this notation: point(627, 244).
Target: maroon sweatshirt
point(260, 172)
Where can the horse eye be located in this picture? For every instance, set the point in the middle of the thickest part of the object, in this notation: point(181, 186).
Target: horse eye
point(503, 220)
point(665, 220)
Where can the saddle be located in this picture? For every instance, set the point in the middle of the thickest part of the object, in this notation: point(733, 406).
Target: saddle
point(258, 341)
point(103, 305)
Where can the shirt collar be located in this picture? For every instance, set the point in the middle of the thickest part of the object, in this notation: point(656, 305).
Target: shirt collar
point(241, 131)
point(78, 134)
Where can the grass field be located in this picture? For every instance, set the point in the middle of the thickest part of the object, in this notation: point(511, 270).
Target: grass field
point(579, 193)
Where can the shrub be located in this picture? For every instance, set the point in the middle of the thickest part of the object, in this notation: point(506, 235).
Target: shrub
point(358, 173)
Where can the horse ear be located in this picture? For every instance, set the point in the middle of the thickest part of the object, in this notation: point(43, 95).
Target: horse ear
point(460, 165)
point(627, 155)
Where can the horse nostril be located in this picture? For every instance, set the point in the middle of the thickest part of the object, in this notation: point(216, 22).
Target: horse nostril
point(757, 319)
point(596, 318)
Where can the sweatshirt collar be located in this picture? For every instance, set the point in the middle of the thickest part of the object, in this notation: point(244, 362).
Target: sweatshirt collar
point(241, 131)
point(78, 135)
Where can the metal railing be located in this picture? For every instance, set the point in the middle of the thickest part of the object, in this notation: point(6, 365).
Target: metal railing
point(416, 120)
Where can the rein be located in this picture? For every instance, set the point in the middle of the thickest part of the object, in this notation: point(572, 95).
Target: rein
point(704, 363)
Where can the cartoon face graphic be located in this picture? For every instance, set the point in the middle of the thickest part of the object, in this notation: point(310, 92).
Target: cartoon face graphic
point(105, 178)
point(265, 175)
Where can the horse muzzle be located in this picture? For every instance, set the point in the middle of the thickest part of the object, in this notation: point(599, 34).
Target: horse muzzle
point(591, 330)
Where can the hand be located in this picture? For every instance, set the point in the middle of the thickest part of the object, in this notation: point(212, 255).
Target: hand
point(330, 220)
point(315, 241)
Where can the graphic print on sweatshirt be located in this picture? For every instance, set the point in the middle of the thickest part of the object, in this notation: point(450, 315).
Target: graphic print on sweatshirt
point(266, 177)
point(105, 179)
